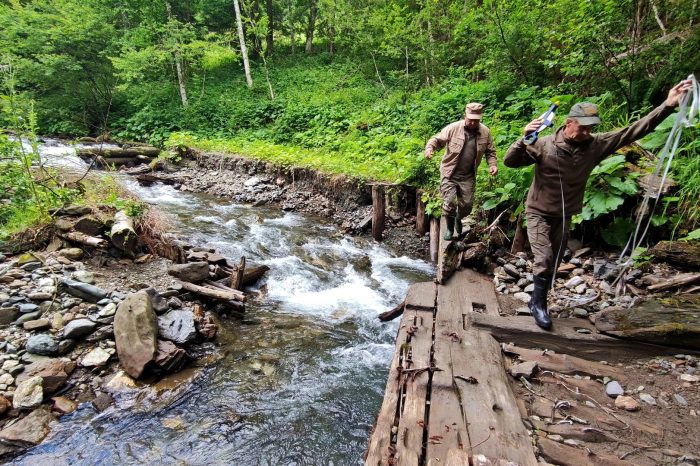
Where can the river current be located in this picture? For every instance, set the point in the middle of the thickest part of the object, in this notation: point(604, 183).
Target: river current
point(302, 375)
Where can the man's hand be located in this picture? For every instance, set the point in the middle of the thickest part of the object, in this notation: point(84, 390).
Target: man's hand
point(532, 126)
point(428, 154)
point(493, 171)
point(677, 91)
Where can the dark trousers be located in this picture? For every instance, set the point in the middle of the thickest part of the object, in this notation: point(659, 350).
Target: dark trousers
point(548, 237)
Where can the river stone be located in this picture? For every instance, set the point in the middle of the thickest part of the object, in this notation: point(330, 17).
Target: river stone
point(177, 326)
point(79, 328)
point(39, 324)
point(524, 297)
point(84, 276)
point(573, 282)
point(29, 430)
point(97, 357)
point(63, 405)
point(43, 344)
point(109, 310)
point(54, 373)
point(39, 296)
point(84, 290)
point(29, 394)
point(627, 403)
point(614, 389)
point(6, 379)
point(27, 317)
point(524, 369)
point(136, 333)
point(4, 405)
point(8, 314)
point(648, 399)
point(170, 358)
point(74, 254)
point(193, 272)
point(26, 308)
point(31, 266)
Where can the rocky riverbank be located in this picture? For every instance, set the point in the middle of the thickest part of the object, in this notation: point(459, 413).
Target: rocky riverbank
point(70, 329)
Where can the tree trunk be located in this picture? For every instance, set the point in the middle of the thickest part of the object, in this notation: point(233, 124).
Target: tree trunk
point(178, 66)
point(270, 37)
point(313, 11)
point(378, 212)
point(244, 49)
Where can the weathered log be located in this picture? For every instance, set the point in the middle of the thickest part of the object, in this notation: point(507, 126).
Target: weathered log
point(82, 238)
point(149, 178)
point(123, 235)
point(253, 274)
point(565, 364)
point(676, 282)
point(214, 292)
point(111, 153)
point(139, 170)
point(117, 162)
point(672, 321)
point(89, 225)
point(681, 253)
point(393, 313)
point(237, 275)
point(563, 336)
point(558, 453)
point(378, 211)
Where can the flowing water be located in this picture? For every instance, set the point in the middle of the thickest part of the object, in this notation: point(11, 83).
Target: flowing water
point(302, 376)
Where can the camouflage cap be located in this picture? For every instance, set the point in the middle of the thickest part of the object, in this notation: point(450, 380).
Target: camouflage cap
point(474, 111)
point(585, 113)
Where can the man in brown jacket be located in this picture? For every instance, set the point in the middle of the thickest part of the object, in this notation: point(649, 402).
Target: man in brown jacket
point(466, 142)
point(563, 161)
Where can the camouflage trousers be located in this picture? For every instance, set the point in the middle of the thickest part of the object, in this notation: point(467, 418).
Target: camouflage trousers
point(457, 196)
point(548, 237)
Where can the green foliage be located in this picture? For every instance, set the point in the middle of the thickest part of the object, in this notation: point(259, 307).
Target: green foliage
point(607, 188)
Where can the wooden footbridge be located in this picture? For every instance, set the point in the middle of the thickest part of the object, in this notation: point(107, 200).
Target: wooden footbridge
point(448, 400)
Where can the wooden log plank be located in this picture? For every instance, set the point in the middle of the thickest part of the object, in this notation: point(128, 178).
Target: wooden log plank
point(214, 292)
point(409, 442)
point(682, 253)
point(253, 274)
point(480, 292)
point(563, 336)
point(392, 313)
point(421, 296)
point(670, 321)
point(434, 239)
point(378, 211)
point(565, 364)
point(380, 450)
point(495, 427)
point(559, 453)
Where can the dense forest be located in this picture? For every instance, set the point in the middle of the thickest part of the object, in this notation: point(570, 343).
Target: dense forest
point(353, 86)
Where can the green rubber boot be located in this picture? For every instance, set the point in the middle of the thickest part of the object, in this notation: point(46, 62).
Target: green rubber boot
point(450, 219)
point(458, 227)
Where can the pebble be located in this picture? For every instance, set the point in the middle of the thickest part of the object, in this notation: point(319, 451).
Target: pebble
point(573, 282)
point(524, 297)
point(690, 378)
point(648, 399)
point(626, 402)
point(580, 312)
point(42, 344)
point(680, 400)
point(27, 308)
point(614, 389)
point(29, 393)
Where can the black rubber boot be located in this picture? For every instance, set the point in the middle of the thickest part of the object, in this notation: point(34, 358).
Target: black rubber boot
point(538, 302)
point(450, 219)
point(458, 226)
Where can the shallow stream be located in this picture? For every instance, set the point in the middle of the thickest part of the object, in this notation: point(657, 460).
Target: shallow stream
point(302, 376)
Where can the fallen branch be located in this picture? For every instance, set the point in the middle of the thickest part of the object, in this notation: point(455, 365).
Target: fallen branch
point(82, 238)
point(214, 293)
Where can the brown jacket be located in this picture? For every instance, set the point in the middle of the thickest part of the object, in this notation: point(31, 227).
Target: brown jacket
point(452, 136)
point(562, 166)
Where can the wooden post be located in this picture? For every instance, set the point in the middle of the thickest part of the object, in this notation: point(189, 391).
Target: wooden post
point(434, 238)
point(519, 238)
point(378, 211)
point(421, 219)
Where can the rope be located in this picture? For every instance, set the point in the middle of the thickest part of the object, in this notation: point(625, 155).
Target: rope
point(688, 115)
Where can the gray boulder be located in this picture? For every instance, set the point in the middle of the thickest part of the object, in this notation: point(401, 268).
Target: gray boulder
point(79, 328)
point(177, 326)
point(136, 333)
point(193, 272)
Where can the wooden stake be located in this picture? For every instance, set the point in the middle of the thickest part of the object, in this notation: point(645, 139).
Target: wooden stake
point(421, 218)
point(434, 239)
point(378, 211)
point(237, 275)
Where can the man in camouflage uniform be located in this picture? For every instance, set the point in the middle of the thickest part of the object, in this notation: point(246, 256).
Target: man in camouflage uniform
point(466, 142)
point(563, 161)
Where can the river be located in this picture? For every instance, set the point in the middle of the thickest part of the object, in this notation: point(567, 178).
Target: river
point(302, 375)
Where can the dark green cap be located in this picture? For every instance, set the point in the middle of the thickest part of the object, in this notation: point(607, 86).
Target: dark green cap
point(585, 113)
